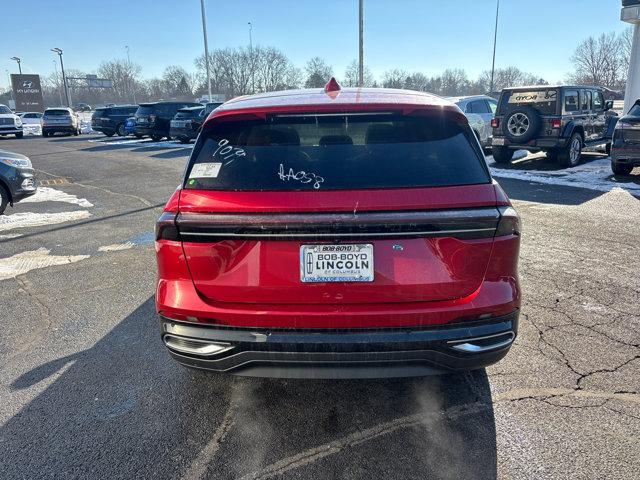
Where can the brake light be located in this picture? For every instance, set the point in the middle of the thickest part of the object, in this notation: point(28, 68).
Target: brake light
point(556, 123)
point(166, 228)
point(509, 223)
point(495, 123)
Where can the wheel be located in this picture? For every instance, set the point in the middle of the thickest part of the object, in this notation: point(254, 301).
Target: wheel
point(137, 135)
point(569, 156)
point(109, 134)
point(76, 132)
point(184, 140)
point(45, 134)
point(552, 155)
point(621, 169)
point(120, 130)
point(502, 154)
point(156, 138)
point(19, 134)
point(4, 199)
point(521, 124)
point(607, 148)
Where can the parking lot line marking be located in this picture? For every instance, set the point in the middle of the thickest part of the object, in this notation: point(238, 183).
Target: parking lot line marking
point(29, 219)
point(24, 262)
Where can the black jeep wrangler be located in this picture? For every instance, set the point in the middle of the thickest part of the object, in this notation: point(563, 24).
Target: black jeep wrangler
point(559, 120)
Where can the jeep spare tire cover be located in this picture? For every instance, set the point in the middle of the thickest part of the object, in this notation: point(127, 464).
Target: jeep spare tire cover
point(521, 124)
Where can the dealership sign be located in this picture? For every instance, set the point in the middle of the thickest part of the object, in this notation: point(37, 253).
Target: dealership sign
point(27, 92)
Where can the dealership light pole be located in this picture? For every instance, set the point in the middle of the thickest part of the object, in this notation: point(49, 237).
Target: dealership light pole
point(361, 45)
point(132, 85)
point(206, 47)
point(18, 61)
point(253, 84)
point(64, 77)
point(495, 38)
point(55, 67)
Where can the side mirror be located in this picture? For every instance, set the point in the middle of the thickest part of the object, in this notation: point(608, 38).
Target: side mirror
point(608, 105)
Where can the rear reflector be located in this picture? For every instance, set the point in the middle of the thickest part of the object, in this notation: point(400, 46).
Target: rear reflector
point(556, 123)
point(495, 123)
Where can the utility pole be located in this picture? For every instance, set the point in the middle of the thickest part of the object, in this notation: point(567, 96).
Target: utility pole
point(18, 61)
point(55, 67)
point(495, 38)
point(132, 85)
point(253, 83)
point(64, 77)
point(206, 47)
point(361, 46)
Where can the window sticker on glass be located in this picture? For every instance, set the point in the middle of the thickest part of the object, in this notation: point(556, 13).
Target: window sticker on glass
point(205, 170)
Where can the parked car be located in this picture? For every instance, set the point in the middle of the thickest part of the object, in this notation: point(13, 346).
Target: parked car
point(17, 178)
point(10, 123)
point(338, 233)
point(60, 119)
point(31, 118)
point(82, 107)
point(559, 120)
point(480, 110)
point(186, 124)
point(625, 151)
point(111, 120)
point(130, 127)
point(154, 119)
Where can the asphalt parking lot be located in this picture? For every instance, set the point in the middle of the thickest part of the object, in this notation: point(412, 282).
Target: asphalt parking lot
point(88, 391)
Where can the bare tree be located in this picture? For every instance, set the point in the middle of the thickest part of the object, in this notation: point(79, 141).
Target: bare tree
point(178, 83)
point(124, 75)
point(394, 78)
point(455, 82)
point(599, 61)
point(318, 73)
point(351, 77)
point(273, 71)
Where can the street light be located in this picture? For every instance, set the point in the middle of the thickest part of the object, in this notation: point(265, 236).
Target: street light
point(64, 77)
point(55, 67)
point(253, 85)
point(132, 86)
point(206, 47)
point(18, 61)
point(495, 38)
point(361, 45)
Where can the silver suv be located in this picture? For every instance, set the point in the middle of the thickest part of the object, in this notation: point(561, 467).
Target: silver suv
point(60, 119)
point(480, 110)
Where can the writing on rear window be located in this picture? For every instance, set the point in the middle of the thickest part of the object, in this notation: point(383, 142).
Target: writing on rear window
point(302, 177)
point(226, 151)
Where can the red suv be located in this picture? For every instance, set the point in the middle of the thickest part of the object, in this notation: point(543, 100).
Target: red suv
point(338, 233)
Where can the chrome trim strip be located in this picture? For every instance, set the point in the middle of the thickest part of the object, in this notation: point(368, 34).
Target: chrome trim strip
point(468, 346)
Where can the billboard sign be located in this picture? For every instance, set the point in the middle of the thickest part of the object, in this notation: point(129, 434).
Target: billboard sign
point(27, 92)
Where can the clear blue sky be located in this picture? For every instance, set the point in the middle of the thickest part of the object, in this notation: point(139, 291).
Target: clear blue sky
point(538, 36)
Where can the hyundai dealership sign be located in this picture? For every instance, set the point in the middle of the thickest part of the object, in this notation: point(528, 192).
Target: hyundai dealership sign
point(27, 92)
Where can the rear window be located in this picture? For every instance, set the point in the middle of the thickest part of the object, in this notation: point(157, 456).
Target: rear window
point(635, 111)
point(56, 113)
point(100, 112)
point(145, 110)
point(188, 113)
point(543, 100)
point(336, 152)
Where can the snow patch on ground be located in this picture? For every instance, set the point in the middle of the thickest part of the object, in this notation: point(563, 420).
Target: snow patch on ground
point(32, 129)
point(9, 236)
point(595, 175)
point(29, 219)
point(46, 194)
point(24, 262)
point(146, 142)
point(116, 247)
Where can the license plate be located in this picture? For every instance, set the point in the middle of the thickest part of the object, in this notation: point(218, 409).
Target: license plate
point(177, 123)
point(336, 263)
point(498, 141)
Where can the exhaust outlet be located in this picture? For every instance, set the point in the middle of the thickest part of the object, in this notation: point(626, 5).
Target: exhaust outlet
point(192, 346)
point(483, 344)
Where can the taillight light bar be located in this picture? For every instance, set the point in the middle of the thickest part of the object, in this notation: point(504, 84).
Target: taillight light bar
point(495, 123)
point(166, 228)
point(556, 123)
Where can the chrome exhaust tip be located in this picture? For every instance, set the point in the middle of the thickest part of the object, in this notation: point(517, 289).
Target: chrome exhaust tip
point(483, 344)
point(191, 346)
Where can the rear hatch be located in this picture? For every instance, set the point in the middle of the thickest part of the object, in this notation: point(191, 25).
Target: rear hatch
point(100, 117)
point(57, 117)
point(337, 208)
point(145, 114)
point(544, 100)
point(185, 117)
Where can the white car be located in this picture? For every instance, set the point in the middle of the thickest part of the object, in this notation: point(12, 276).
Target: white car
point(10, 123)
point(31, 118)
point(479, 110)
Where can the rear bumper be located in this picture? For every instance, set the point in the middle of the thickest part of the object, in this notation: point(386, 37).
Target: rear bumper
point(59, 128)
point(150, 131)
point(358, 353)
point(626, 154)
point(538, 144)
point(181, 132)
point(103, 128)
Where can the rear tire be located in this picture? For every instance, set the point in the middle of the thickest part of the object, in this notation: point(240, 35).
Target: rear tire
point(156, 138)
point(120, 130)
point(4, 199)
point(502, 154)
point(569, 156)
point(20, 135)
point(552, 155)
point(184, 140)
point(607, 148)
point(137, 135)
point(621, 169)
